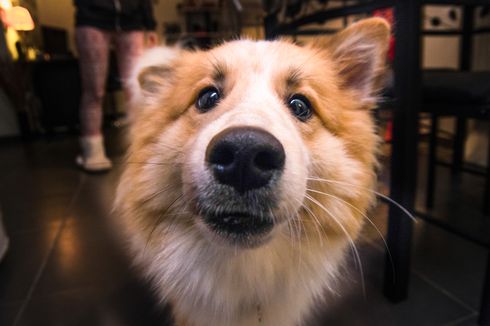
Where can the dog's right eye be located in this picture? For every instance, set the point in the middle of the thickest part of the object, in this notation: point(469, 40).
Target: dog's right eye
point(300, 107)
point(207, 99)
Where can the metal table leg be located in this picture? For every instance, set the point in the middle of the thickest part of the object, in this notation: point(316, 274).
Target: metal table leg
point(432, 162)
point(484, 319)
point(404, 145)
point(486, 195)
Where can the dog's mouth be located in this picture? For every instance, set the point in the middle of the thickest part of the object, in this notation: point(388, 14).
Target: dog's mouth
point(245, 229)
point(239, 223)
point(243, 167)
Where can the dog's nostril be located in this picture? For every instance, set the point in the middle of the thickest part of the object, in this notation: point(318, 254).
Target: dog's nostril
point(222, 155)
point(269, 160)
point(245, 158)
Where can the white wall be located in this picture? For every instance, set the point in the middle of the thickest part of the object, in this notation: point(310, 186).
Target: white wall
point(440, 51)
point(58, 13)
point(165, 11)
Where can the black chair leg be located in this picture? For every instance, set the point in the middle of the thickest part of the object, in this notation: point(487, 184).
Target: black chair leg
point(431, 174)
point(458, 146)
point(486, 196)
point(484, 319)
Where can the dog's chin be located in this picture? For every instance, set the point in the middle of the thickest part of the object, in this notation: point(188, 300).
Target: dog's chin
point(237, 229)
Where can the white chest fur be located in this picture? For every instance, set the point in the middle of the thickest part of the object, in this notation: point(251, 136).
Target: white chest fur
point(211, 285)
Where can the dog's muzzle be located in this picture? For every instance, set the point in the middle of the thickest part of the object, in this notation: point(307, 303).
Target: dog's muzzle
point(245, 158)
point(245, 163)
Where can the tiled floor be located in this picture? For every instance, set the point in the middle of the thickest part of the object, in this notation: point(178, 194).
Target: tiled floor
point(65, 268)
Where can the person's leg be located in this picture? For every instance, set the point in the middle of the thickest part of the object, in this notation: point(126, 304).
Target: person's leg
point(129, 46)
point(93, 49)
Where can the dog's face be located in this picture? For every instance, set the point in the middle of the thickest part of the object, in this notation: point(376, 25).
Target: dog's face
point(242, 143)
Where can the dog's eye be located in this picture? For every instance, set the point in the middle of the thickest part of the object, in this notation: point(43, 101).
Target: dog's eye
point(207, 99)
point(300, 106)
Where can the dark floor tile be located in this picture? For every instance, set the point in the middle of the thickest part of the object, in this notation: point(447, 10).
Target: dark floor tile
point(23, 213)
point(145, 310)
point(458, 200)
point(126, 305)
point(69, 308)
point(8, 313)
point(454, 264)
point(22, 263)
point(471, 320)
point(84, 256)
point(87, 253)
point(40, 183)
point(424, 306)
point(41, 168)
point(98, 193)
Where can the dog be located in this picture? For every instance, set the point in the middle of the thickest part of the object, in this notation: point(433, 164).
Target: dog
point(248, 172)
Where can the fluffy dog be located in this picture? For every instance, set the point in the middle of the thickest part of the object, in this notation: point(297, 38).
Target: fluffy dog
point(249, 171)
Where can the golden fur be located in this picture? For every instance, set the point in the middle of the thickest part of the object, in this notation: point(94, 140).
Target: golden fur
point(330, 162)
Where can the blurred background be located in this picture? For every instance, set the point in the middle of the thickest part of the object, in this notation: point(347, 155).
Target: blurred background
point(59, 261)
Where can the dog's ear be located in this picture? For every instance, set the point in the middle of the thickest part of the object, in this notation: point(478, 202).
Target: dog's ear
point(153, 72)
point(359, 54)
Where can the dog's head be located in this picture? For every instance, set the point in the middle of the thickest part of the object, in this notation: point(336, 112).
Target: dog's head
point(243, 142)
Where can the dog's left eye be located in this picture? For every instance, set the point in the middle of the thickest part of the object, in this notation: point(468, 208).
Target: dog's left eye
point(207, 99)
point(300, 107)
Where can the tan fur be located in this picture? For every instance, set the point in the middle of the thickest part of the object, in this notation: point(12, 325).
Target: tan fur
point(210, 283)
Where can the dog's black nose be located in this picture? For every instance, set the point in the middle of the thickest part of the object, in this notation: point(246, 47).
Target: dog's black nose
point(245, 158)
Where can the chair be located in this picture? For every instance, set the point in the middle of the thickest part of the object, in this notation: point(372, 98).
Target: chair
point(459, 94)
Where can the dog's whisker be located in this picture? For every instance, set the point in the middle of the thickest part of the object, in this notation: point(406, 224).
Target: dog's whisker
point(289, 218)
point(171, 224)
point(317, 223)
point(184, 210)
point(156, 147)
point(290, 234)
point(159, 220)
point(129, 161)
point(377, 193)
point(390, 257)
point(304, 231)
point(143, 163)
point(130, 155)
point(318, 226)
point(156, 194)
point(349, 238)
point(296, 238)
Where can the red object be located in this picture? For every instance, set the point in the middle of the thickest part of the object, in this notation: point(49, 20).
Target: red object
point(389, 131)
point(388, 15)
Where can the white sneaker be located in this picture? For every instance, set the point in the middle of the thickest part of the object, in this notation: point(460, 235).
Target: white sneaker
point(93, 157)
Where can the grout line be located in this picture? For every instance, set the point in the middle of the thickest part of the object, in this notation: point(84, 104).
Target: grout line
point(444, 291)
point(431, 283)
point(44, 263)
point(460, 320)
